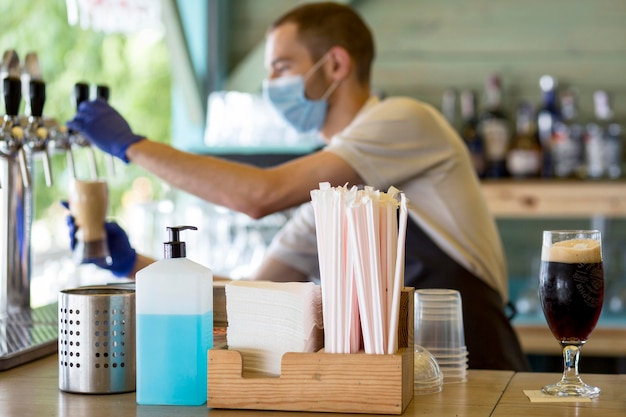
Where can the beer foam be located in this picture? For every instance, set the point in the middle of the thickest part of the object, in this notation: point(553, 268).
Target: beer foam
point(573, 251)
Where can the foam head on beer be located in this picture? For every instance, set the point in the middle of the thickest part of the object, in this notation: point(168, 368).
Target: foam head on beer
point(573, 251)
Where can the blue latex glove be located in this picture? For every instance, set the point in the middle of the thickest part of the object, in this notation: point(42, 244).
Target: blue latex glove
point(123, 255)
point(104, 127)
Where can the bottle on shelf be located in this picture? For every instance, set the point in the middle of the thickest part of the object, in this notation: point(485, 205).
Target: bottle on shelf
point(469, 131)
point(568, 137)
point(548, 115)
point(603, 140)
point(494, 129)
point(524, 158)
point(611, 135)
point(613, 148)
point(448, 107)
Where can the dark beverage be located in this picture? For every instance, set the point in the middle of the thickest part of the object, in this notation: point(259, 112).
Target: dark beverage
point(571, 296)
point(571, 290)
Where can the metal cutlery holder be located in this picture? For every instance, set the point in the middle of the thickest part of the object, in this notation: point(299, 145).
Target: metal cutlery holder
point(97, 340)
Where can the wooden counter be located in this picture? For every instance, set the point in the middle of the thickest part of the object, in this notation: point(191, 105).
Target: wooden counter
point(514, 403)
point(32, 390)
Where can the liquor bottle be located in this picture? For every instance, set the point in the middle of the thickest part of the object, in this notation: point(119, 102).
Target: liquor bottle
point(568, 139)
point(613, 145)
point(547, 116)
point(448, 107)
point(524, 157)
point(494, 129)
point(603, 140)
point(469, 131)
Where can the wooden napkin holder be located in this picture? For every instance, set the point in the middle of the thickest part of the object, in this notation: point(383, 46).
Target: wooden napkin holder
point(324, 382)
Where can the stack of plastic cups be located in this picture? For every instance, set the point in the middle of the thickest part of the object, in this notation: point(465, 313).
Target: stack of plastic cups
point(439, 329)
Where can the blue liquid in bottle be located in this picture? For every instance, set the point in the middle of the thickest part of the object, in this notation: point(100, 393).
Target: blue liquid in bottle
point(172, 358)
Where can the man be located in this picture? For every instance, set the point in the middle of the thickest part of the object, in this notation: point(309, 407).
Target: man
point(318, 58)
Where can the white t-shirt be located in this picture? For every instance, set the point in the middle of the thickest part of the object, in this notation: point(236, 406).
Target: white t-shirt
point(408, 144)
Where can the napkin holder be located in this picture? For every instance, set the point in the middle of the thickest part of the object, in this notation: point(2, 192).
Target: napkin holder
point(321, 382)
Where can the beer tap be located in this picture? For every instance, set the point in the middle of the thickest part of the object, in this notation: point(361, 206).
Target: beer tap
point(10, 67)
point(59, 140)
point(30, 71)
point(12, 135)
point(36, 134)
point(103, 92)
point(10, 64)
point(81, 93)
point(22, 137)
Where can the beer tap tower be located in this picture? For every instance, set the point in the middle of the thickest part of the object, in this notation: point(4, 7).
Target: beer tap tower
point(25, 333)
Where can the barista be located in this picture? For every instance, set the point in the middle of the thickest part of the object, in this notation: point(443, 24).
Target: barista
point(318, 59)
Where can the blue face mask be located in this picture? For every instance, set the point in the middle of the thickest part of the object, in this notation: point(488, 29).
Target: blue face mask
point(286, 94)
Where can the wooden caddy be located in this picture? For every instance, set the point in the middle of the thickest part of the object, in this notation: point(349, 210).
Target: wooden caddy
point(325, 382)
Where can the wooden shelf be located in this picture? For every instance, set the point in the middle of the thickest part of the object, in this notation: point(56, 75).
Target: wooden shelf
point(544, 198)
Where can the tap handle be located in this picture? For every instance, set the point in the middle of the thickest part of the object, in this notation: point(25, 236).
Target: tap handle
point(103, 92)
point(37, 97)
point(12, 95)
point(81, 93)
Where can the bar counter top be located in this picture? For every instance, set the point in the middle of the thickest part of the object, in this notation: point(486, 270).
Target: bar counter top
point(32, 390)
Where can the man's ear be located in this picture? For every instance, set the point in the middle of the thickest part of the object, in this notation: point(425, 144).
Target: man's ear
point(339, 64)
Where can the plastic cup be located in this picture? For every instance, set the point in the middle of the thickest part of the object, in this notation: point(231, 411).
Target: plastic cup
point(439, 329)
point(428, 378)
point(439, 320)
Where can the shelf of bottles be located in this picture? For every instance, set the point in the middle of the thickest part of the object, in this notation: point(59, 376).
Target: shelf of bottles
point(544, 141)
point(546, 166)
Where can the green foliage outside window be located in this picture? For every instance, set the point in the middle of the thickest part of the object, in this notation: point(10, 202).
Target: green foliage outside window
point(134, 66)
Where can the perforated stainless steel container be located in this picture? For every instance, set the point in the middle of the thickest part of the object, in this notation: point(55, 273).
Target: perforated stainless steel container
point(97, 340)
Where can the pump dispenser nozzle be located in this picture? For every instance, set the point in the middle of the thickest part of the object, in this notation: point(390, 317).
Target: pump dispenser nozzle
point(175, 248)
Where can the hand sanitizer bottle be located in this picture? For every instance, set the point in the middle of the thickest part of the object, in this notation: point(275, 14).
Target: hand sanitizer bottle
point(174, 327)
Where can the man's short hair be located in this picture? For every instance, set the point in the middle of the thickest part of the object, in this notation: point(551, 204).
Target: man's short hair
point(322, 25)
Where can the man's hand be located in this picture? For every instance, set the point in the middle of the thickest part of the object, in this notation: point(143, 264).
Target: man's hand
point(123, 256)
point(104, 127)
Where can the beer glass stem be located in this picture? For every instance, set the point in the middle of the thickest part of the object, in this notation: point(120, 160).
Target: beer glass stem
point(571, 355)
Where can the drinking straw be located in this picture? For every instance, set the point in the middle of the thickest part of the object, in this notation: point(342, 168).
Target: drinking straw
point(392, 345)
point(352, 336)
point(319, 199)
point(371, 233)
point(347, 300)
point(354, 218)
point(388, 233)
point(336, 248)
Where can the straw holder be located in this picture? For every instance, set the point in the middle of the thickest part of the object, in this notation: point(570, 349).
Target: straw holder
point(324, 382)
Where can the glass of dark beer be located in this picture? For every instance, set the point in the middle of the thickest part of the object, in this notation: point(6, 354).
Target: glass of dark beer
point(571, 291)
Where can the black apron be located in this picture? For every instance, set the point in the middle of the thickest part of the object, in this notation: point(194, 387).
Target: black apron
point(489, 336)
